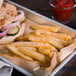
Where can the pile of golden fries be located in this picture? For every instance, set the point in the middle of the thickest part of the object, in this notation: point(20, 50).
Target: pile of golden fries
point(40, 45)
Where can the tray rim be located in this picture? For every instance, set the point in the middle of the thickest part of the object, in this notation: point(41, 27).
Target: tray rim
point(60, 65)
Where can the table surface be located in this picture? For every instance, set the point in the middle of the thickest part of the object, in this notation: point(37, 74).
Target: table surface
point(42, 6)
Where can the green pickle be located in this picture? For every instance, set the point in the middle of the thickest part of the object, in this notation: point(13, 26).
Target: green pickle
point(13, 31)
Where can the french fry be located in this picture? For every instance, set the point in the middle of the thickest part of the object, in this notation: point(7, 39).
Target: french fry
point(29, 48)
point(43, 67)
point(45, 27)
point(70, 42)
point(31, 44)
point(37, 62)
point(46, 39)
point(44, 51)
point(59, 40)
point(34, 44)
point(15, 51)
point(32, 37)
point(62, 36)
point(6, 55)
point(33, 54)
point(22, 38)
point(51, 54)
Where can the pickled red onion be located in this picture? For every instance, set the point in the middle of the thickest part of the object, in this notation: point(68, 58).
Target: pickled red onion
point(4, 33)
point(20, 16)
point(12, 25)
point(8, 28)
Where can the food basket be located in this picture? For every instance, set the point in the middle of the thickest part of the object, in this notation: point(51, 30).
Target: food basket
point(20, 65)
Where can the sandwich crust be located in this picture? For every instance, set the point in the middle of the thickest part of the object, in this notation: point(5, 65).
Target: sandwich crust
point(9, 39)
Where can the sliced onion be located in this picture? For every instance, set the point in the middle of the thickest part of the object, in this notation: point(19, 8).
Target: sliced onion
point(20, 16)
point(8, 28)
point(12, 25)
point(4, 33)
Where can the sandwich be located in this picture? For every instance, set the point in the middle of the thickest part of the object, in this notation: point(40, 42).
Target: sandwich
point(12, 23)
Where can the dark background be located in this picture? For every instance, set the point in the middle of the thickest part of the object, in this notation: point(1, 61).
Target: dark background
point(42, 7)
